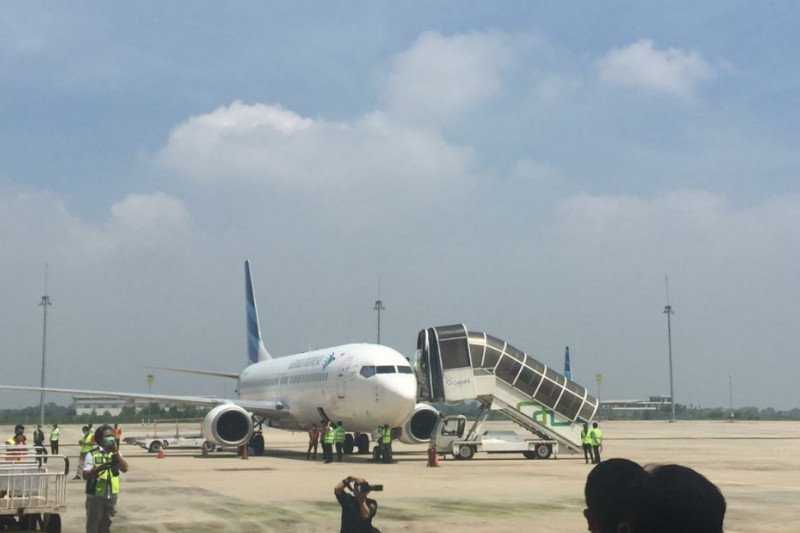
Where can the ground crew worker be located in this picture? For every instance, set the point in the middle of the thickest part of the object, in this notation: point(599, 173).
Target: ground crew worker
point(18, 441)
point(338, 439)
point(586, 441)
point(19, 438)
point(596, 436)
point(101, 468)
point(85, 446)
point(386, 443)
point(328, 438)
point(313, 441)
point(55, 435)
point(38, 442)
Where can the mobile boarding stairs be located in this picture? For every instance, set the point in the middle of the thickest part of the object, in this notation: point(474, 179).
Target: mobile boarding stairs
point(455, 365)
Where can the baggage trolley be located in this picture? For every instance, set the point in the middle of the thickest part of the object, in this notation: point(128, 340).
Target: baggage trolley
point(33, 489)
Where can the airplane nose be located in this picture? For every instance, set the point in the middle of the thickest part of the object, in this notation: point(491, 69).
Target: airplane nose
point(400, 396)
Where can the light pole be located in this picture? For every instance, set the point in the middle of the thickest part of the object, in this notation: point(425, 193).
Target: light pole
point(598, 378)
point(730, 396)
point(669, 312)
point(379, 307)
point(150, 379)
point(44, 303)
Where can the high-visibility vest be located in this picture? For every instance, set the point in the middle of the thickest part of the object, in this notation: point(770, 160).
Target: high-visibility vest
point(55, 434)
point(86, 443)
point(107, 482)
point(585, 436)
point(596, 436)
point(328, 437)
point(387, 435)
point(338, 434)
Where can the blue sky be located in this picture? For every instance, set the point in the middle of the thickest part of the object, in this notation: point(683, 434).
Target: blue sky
point(532, 169)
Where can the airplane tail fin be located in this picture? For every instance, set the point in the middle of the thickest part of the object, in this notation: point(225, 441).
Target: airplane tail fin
point(256, 351)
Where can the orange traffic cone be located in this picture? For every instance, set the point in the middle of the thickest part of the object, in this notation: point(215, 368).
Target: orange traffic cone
point(161, 453)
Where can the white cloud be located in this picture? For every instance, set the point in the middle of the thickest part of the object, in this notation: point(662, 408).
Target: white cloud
point(156, 212)
point(443, 75)
point(139, 222)
point(641, 65)
point(266, 143)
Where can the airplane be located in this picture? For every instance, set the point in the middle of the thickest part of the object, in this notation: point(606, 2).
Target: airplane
point(363, 385)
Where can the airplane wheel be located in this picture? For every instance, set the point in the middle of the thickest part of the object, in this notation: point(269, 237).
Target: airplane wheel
point(529, 454)
point(543, 451)
point(257, 443)
point(362, 441)
point(208, 447)
point(349, 444)
point(155, 446)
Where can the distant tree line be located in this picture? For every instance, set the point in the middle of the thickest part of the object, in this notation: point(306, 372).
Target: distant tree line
point(66, 414)
point(54, 413)
point(684, 412)
point(696, 412)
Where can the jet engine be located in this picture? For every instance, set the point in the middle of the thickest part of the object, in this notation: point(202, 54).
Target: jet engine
point(228, 425)
point(418, 427)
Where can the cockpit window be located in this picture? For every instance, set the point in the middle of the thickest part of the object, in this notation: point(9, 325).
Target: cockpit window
point(405, 370)
point(385, 369)
point(367, 371)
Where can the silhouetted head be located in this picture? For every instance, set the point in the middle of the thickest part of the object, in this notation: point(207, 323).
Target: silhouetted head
point(613, 492)
point(680, 500)
point(339, 423)
point(594, 424)
point(19, 429)
point(85, 429)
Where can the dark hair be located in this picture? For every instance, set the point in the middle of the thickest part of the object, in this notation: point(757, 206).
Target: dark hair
point(98, 433)
point(613, 490)
point(678, 499)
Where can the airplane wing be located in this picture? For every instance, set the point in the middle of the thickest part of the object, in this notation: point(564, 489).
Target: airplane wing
point(197, 372)
point(266, 408)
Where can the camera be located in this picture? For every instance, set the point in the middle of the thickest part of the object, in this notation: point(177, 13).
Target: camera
point(364, 488)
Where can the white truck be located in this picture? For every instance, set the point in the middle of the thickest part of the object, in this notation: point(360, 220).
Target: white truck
point(451, 436)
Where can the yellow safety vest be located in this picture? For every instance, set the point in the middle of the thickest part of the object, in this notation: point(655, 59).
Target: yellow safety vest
point(54, 435)
point(85, 443)
point(338, 434)
point(105, 480)
point(586, 437)
point(596, 436)
point(387, 435)
point(328, 437)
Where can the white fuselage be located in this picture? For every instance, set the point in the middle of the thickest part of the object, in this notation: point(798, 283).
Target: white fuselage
point(337, 382)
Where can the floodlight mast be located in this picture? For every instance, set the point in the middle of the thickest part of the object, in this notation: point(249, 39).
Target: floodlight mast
point(669, 312)
point(44, 303)
point(379, 307)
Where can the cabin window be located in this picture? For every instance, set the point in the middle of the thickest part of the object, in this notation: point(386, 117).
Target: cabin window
point(455, 354)
point(405, 370)
point(367, 371)
point(385, 369)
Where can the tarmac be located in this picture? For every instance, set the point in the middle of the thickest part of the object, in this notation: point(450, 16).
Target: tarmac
point(755, 464)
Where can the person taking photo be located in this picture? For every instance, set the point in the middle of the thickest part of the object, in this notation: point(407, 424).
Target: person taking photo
point(357, 510)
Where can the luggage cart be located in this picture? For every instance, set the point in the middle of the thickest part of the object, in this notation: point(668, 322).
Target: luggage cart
point(33, 489)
